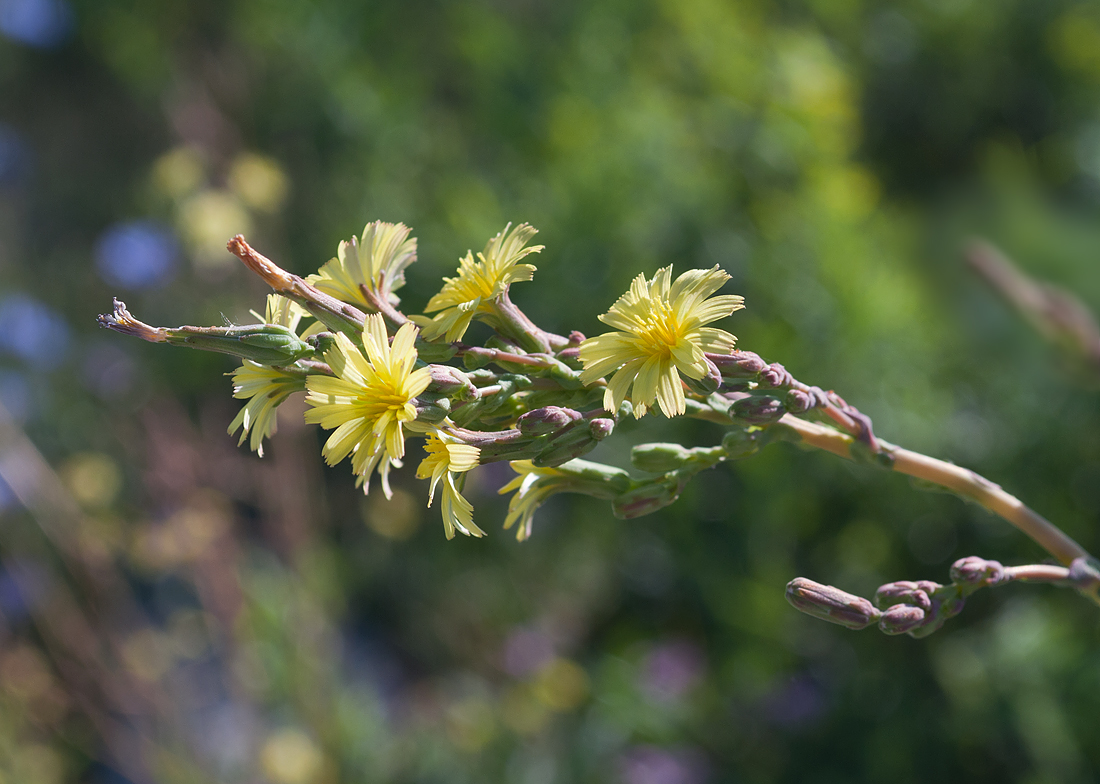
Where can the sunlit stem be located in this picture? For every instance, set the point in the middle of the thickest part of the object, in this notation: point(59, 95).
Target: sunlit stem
point(959, 480)
point(333, 313)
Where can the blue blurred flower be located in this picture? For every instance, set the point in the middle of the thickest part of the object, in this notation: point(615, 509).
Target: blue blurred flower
point(15, 395)
point(15, 155)
point(23, 585)
point(32, 332)
point(137, 255)
point(7, 497)
point(39, 23)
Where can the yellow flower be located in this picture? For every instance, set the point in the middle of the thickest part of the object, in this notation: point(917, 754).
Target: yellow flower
point(662, 335)
point(532, 486)
point(446, 457)
point(370, 398)
point(376, 261)
point(479, 282)
point(265, 387)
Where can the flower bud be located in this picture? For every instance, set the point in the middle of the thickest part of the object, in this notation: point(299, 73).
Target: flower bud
point(266, 344)
point(1084, 573)
point(447, 380)
point(916, 594)
point(757, 410)
point(556, 454)
point(775, 376)
point(901, 618)
point(646, 498)
point(659, 458)
point(708, 383)
point(739, 444)
point(601, 428)
point(738, 364)
point(798, 402)
point(974, 572)
point(546, 420)
point(831, 604)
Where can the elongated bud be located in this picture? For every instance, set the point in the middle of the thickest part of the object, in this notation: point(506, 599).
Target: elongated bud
point(447, 380)
point(659, 458)
point(575, 440)
point(831, 604)
point(265, 344)
point(546, 420)
point(738, 364)
point(757, 409)
point(708, 383)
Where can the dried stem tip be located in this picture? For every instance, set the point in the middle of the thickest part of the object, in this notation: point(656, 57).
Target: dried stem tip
point(122, 321)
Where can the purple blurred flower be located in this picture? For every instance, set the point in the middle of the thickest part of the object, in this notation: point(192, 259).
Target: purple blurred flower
point(797, 703)
point(32, 332)
point(137, 255)
point(671, 670)
point(653, 765)
point(526, 651)
point(43, 24)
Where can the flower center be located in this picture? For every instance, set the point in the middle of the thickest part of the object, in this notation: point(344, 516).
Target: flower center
point(659, 331)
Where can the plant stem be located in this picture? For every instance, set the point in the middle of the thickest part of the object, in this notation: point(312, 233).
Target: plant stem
point(957, 479)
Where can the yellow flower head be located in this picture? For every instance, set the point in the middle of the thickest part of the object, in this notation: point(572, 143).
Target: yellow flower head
point(265, 387)
point(478, 282)
point(662, 335)
point(447, 456)
point(532, 486)
point(369, 399)
point(376, 261)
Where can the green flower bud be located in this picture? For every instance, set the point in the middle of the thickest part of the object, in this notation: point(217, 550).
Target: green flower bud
point(659, 458)
point(647, 498)
point(265, 344)
point(739, 444)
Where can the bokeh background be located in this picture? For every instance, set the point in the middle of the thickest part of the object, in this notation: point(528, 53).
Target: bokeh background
point(175, 609)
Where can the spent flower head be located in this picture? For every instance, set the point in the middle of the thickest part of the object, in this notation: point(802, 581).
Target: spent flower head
point(661, 335)
point(370, 399)
point(375, 262)
point(479, 282)
point(447, 457)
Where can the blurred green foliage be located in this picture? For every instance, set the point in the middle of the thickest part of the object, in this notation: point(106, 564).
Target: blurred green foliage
point(211, 616)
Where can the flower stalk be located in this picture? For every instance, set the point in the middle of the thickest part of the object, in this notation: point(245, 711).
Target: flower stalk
point(376, 377)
